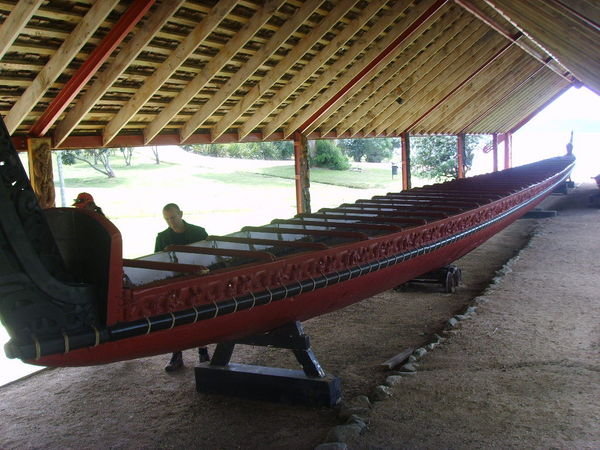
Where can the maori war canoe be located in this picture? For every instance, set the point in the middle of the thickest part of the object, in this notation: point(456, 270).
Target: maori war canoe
point(68, 298)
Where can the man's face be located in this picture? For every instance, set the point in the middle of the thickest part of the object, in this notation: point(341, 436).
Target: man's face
point(173, 217)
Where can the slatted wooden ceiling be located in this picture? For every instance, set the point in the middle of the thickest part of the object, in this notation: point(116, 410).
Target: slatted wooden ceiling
point(143, 72)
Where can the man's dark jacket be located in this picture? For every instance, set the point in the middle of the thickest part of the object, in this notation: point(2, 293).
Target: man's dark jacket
point(191, 234)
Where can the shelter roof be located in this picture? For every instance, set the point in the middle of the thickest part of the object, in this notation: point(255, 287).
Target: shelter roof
point(146, 72)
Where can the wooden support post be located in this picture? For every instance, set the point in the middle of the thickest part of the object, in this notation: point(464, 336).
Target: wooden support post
point(405, 137)
point(507, 150)
point(460, 155)
point(495, 151)
point(40, 170)
point(302, 173)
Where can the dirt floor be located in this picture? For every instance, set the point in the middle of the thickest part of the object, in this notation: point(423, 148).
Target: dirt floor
point(523, 371)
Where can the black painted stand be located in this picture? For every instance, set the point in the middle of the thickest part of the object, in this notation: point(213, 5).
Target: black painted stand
point(448, 277)
point(310, 386)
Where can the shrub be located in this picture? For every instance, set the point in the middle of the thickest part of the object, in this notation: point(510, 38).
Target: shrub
point(330, 156)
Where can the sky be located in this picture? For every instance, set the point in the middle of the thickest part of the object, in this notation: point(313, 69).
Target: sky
point(548, 133)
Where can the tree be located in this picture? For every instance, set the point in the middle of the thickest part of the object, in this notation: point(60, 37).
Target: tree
point(155, 153)
point(127, 153)
point(435, 156)
point(97, 158)
point(373, 150)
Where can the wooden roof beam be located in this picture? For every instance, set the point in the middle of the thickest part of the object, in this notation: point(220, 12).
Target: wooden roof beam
point(332, 72)
point(282, 35)
point(376, 70)
point(480, 69)
point(291, 58)
point(56, 66)
point(309, 69)
point(513, 89)
point(535, 112)
point(373, 59)
point(88, 69)
point(216, 64)
point(167, 68)
point(106, 78)
point(493, 24)
point(475, 96)
point(417, 91)
point(367, 99)
point(15, 22)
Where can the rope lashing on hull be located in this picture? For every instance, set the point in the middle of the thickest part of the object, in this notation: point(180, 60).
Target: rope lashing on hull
point(171, 320)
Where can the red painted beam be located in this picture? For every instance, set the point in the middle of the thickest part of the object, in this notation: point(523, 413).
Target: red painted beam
point(128, 20)
point(507, 150)
point(373, 64)
point(460, 85)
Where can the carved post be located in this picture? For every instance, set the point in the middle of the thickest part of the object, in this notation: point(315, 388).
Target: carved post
point(40, 170)
point(302, 173)
point(460, 155)
point(405, 137)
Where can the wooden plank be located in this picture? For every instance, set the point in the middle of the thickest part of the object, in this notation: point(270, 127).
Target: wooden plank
point(561, 35)
point(423, 49)
point(105, 80)
point(301, 15)
point(413, 88)
point(211, 69)
point(309, 69)
point(352, 82)
point(291, 58)
point(459, 69)
point(16, 22)
point(333, 71)
point(63, 56)
point(177, 57)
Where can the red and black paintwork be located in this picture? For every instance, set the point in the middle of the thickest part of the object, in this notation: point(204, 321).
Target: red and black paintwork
point(333, 258)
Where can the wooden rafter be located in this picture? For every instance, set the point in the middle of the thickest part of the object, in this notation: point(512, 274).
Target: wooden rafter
point(67, 51)
point(332, 72)
point(172, 63)
point(387, 82)
point(302, 14)
point(88, 69)
point(472, 75)
point(259, 18)
point(376, 60)
point(281, 68)
point(130, 50)
point(414, 95)
point(309, 69)
point(15, 22)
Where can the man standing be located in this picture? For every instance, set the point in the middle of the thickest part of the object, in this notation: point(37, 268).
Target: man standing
point(179, 233)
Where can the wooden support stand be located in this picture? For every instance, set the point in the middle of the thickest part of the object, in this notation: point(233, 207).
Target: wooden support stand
point(449, 277)
point(310, 386)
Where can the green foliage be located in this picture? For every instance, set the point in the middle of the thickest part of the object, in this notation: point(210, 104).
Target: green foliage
point(251, 150)
point(435, 156)
point(329, 155)
point(372, 150)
